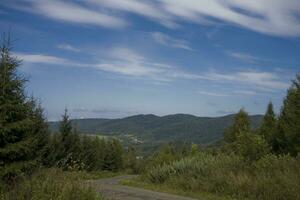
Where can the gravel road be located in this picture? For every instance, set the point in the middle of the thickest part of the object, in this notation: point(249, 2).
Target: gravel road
point(110, 188)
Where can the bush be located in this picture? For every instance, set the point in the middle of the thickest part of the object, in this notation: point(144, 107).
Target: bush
point(271, 177)
point(50, 184)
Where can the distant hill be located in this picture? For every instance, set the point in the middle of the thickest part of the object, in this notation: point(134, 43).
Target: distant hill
point(152, 130)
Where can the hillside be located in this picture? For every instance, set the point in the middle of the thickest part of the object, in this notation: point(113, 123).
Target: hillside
point(152, 130)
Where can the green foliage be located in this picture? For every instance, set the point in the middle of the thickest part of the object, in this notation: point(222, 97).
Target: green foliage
point(50, 184)
point(70, 151)
point(271, 177)
point(268, 127)
point(113, 158)
point(167, 154)
point(65, 129)
point(240, 125)
point(131, 162)
point(288, 138)
point(23, 131)
point(251, 146)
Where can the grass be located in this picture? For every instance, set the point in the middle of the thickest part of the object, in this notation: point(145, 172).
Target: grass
point(54, 184)
point(207, 176)
point(166, 189)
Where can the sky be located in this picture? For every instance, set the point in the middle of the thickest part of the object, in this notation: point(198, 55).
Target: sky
point(117, 58)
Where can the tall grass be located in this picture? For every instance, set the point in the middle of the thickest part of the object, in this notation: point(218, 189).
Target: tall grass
point(51, 184)
point(272, 177)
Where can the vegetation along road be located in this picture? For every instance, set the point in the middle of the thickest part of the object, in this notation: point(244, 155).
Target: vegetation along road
point(110, 188)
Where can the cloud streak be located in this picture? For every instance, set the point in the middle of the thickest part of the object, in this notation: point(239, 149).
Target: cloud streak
point(243, 57)
point(68, 47)
point(215, 94)
point(41, 59)
point(126, 62)
point(272, 17)
point(69, 12)
point(166, 40)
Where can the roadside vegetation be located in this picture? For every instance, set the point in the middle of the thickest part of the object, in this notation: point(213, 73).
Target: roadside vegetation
point(50, 184)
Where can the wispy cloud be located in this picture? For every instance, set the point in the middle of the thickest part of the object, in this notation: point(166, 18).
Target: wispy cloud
point(147, 9)
point(272, 17)
point(68, 47)
point(243, 57)
point(70, 12)
point(126, 62)
point(40, 58)
point(166, 40)
point(256, 78)
point(215, 94)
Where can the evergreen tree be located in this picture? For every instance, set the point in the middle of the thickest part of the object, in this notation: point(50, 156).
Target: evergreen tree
point(240, 125)
point(269, 126)
point(113, 159)
point(89, 153)
point(22, 126)
point(99, 146)
point(250, 146)
point(288, 136)
point(65, 129)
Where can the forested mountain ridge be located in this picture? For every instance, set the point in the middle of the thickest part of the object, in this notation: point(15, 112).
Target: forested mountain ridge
point(150, 128)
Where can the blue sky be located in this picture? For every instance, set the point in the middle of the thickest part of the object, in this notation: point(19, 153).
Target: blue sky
point(115, 58)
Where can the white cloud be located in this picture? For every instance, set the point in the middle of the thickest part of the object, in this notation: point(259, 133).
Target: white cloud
point(256, 78)
point(144, 8)
point(70, 12)
point(215, 94)
point(42, 59)
point(171, 42)
point(274, 17)
point(126, 62)
point(243, 56)
point(68, 47)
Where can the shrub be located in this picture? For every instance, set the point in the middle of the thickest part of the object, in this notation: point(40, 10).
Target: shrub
point(271, 177)
point(50, 184)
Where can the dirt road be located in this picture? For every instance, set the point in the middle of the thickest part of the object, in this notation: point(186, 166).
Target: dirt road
point(110, 188)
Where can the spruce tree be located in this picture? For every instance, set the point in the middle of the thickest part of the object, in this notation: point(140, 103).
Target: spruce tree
point(65, 129)
point(268, 127)
point(288, 138)
point(240, 125)
point(22, 126)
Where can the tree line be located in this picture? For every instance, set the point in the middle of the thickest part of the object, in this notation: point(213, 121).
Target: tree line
point(276, 135)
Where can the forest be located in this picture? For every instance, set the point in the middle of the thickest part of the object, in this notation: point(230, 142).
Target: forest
point(248, 163)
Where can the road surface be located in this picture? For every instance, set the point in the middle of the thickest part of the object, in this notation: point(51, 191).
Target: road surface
point(111, 189)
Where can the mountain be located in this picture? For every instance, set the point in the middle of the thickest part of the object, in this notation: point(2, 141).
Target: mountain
point(152, 130)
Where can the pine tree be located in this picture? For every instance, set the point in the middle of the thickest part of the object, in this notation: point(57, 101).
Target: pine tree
point(240, 125)
point(113, 159)
point(65, 129)
point(269, 126)
point(288, 138)
point(22, 126)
